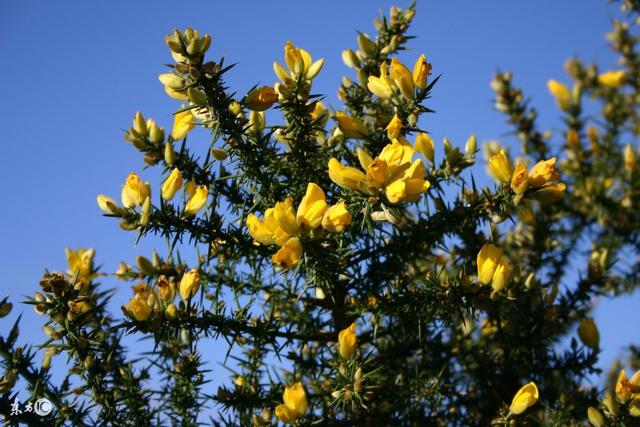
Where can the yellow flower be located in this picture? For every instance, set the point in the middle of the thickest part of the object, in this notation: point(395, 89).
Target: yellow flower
point(377, 173)
point(197, 198)
point(612, 79)
point(336, 218)
point(289, 254)
point(588, 333)
point(487, 260)
point(501, 275)
point(107, 204)
point(171, 184)
point(134, 191)
point(139, 309)
point(348, 341)
point(543, 172)
point(520, 178)
point(499, 167)
point(312, 207)
point(396, 155)
point(266, 231)
point(261, 98)
point(183, 122)
point(424, 145)
point(409, 186)
point(623, 387)
point(561, 93)
point(180, 95)
point(402, 78)
point(526, 397)
point(80, 263)
point(350, 126)
point(551, 192)
point(295, 404)
point(285, 216)
point(394, 128)
point(78, 306)
point(299, 62)
point(189, 284)
point(319, 114)
point(165, 289)
point(345, 176)
point(629, 158)
point(381, 86)
point(421, 71)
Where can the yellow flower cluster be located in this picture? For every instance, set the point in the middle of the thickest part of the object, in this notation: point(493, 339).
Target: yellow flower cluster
point(146, 300)
point(392, 172)
point(396, 77)
point(540, 178)
point(138, 193)
point(493, 268)
point(295, 404)
point(284, 227)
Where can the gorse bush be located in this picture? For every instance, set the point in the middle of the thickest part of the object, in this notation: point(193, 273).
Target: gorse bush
point(349, 269)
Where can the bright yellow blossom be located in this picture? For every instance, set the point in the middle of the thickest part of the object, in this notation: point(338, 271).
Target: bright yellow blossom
point(312, 207)
point(345, 176)
point(134, 191)
point(526, 397)
point(394, 128)
point(487, 260)
point(561, 93)
point(336, 218)
point(80, 263)
point(612, 79)
point(197, 198)
point(381, 86)
point(295, 404)
point(348, 341)
point(425, 146)
point(189, 284)
point(139, 309)
point(183, 122)
point(520, 178)
point(261, 98)
point(351, 127)
point(299, 63)
point(402, 78)
point(171, 184)
point(543, 172)
point(421, 71)
point(289, 254)
point(499, 167)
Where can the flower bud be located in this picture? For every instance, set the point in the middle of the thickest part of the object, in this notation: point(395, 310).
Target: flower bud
point(595, 417)
point(139, 124)
point(350, 58)
point(189, 284)
point(588, 333)
point(366, 45)
point(169, 154)
point(107, 204)
point(172, 81)
point(144, 265)
point(156, 133)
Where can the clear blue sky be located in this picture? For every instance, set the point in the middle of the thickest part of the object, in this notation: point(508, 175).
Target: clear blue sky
point(74, 73)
